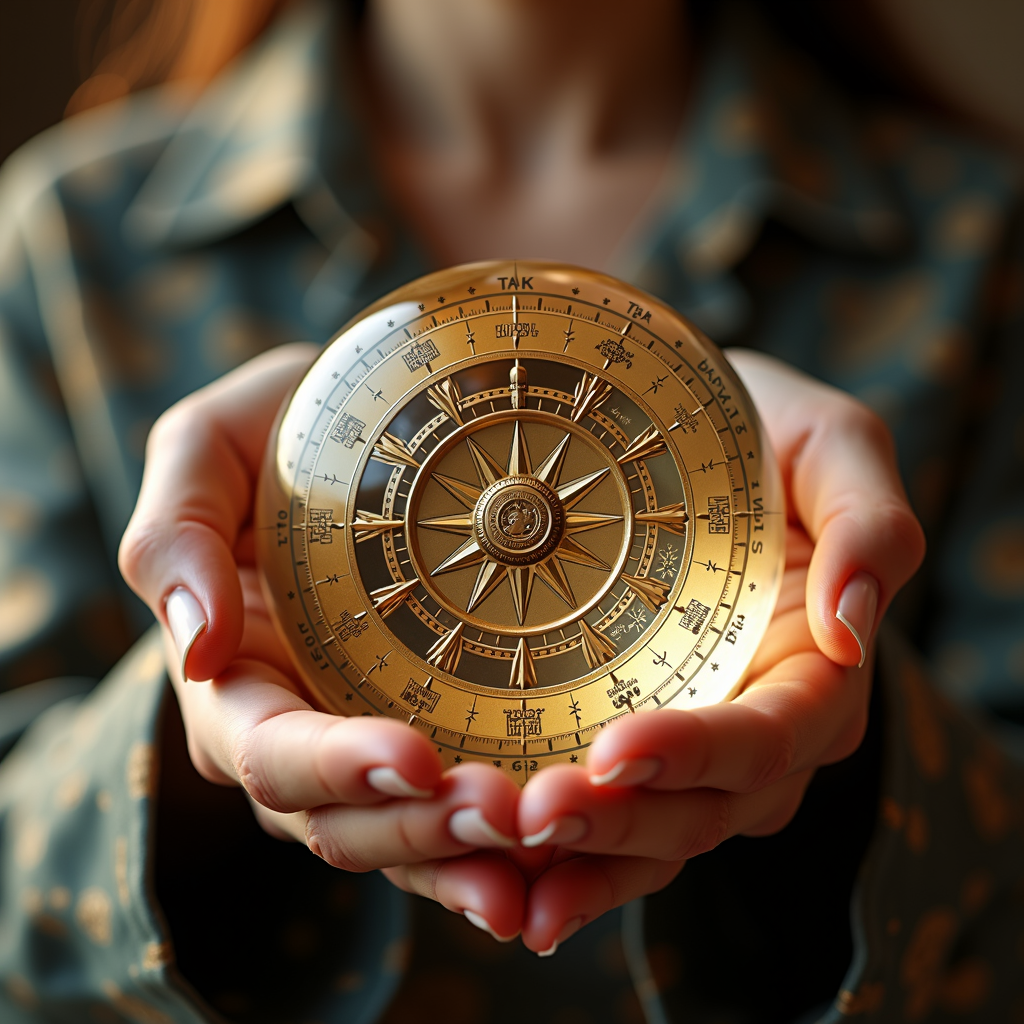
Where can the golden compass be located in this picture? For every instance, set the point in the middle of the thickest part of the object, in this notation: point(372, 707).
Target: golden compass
point(511, 502)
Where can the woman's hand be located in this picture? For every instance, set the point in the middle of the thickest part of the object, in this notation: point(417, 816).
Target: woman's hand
point(362, 793)
point(660, 788)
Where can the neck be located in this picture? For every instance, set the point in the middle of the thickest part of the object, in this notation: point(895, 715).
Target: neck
point(511, 81)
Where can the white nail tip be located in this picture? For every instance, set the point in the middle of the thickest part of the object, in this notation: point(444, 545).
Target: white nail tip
point(550, 951)
point(856, 636)
point(388, 781)
point(469, 826)
point(186, 620)
point(541, 837)
point(609, 776)
point(481, 922)
point(636, 771)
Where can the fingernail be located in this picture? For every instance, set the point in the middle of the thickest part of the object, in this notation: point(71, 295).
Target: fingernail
point(571, 927)
point(186, 619)
point(387, 781)
point(469, 826)
point(857, 606)
point(569, 829)
point(632, 772)
point(481, 923)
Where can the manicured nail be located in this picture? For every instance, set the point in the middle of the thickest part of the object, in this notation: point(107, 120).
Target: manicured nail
point(469, 826)
point(857, 606)
point(571, 927)
point(569, 829)
point(632, 772)
point(186, 618)
point(387, 781)
point(481, 923)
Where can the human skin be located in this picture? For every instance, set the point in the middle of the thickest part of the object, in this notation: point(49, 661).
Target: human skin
point(736, 768)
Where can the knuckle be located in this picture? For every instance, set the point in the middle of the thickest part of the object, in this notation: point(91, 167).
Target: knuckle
point(902, 534)
point(849, 739)
point(782, 813)
point(330, 844)
point(712, 826)
point(245, 761)
point(776, 760)
point(140, 541)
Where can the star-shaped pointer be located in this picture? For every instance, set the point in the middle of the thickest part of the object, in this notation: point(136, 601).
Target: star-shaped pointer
point(491, 570)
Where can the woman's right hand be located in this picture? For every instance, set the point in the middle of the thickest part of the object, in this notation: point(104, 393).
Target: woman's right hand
point(362, 793)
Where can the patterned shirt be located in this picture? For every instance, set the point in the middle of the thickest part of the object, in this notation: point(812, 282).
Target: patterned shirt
point(150, 245)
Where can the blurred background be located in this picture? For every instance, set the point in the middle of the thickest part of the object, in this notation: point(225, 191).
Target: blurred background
point(963, 56)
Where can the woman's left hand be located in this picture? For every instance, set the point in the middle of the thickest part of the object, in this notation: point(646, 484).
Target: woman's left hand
point(660, 788)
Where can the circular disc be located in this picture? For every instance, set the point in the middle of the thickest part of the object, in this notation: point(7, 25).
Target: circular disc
point(511, 502)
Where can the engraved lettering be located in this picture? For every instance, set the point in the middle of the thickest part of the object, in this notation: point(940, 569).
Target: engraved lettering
point(523, 722)
point(718, 514)
point(521, 330)
point(420, 697)
point(348, 430)
point(421, 354)
point(512, 284)
point(639, 313)
point(693, 615)
point(347, 627)
point(319, 520)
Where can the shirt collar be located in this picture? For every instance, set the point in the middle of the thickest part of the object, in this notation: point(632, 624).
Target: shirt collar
point(765, 137)
point(249, 144)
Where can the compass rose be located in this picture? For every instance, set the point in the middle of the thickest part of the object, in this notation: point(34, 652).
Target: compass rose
point(519, 520)
point(520, 523)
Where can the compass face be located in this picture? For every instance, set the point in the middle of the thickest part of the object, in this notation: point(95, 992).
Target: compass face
point(512, 502)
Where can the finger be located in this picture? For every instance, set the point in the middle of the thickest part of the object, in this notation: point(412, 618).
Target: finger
point(202, 461)
point(560, 807)
point(474, 806)
point(575, 892)
point(484, 886)
point(801, 713)
point(844, 483)
point(248, 726)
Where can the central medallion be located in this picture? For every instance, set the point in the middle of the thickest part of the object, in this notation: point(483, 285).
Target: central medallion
point(519, 520)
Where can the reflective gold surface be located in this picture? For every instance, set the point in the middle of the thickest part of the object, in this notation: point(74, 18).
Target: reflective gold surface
point(511, 502)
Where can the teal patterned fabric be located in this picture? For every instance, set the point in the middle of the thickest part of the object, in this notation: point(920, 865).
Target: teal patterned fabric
point(151, 245)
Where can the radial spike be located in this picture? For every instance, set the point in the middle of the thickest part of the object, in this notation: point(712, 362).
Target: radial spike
point(390, 598)
point(591, 393)
point(460, 523)
point(519, 454)
point(445, 654)
point(446, 397)
point(580, 522)
point(517, 388)
point(520, 580)
point(523, 673)
point(552, 572)
point(466, 554)
point(669, 517)
point(576, 490)
point(370, 524)
point(597, 648)
point(487, 581)
point(653, 593)
point(487, 469)
point(570, 550)
point(550, 469)
point(465, 494)
point(393, 451)
point(647, 445)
